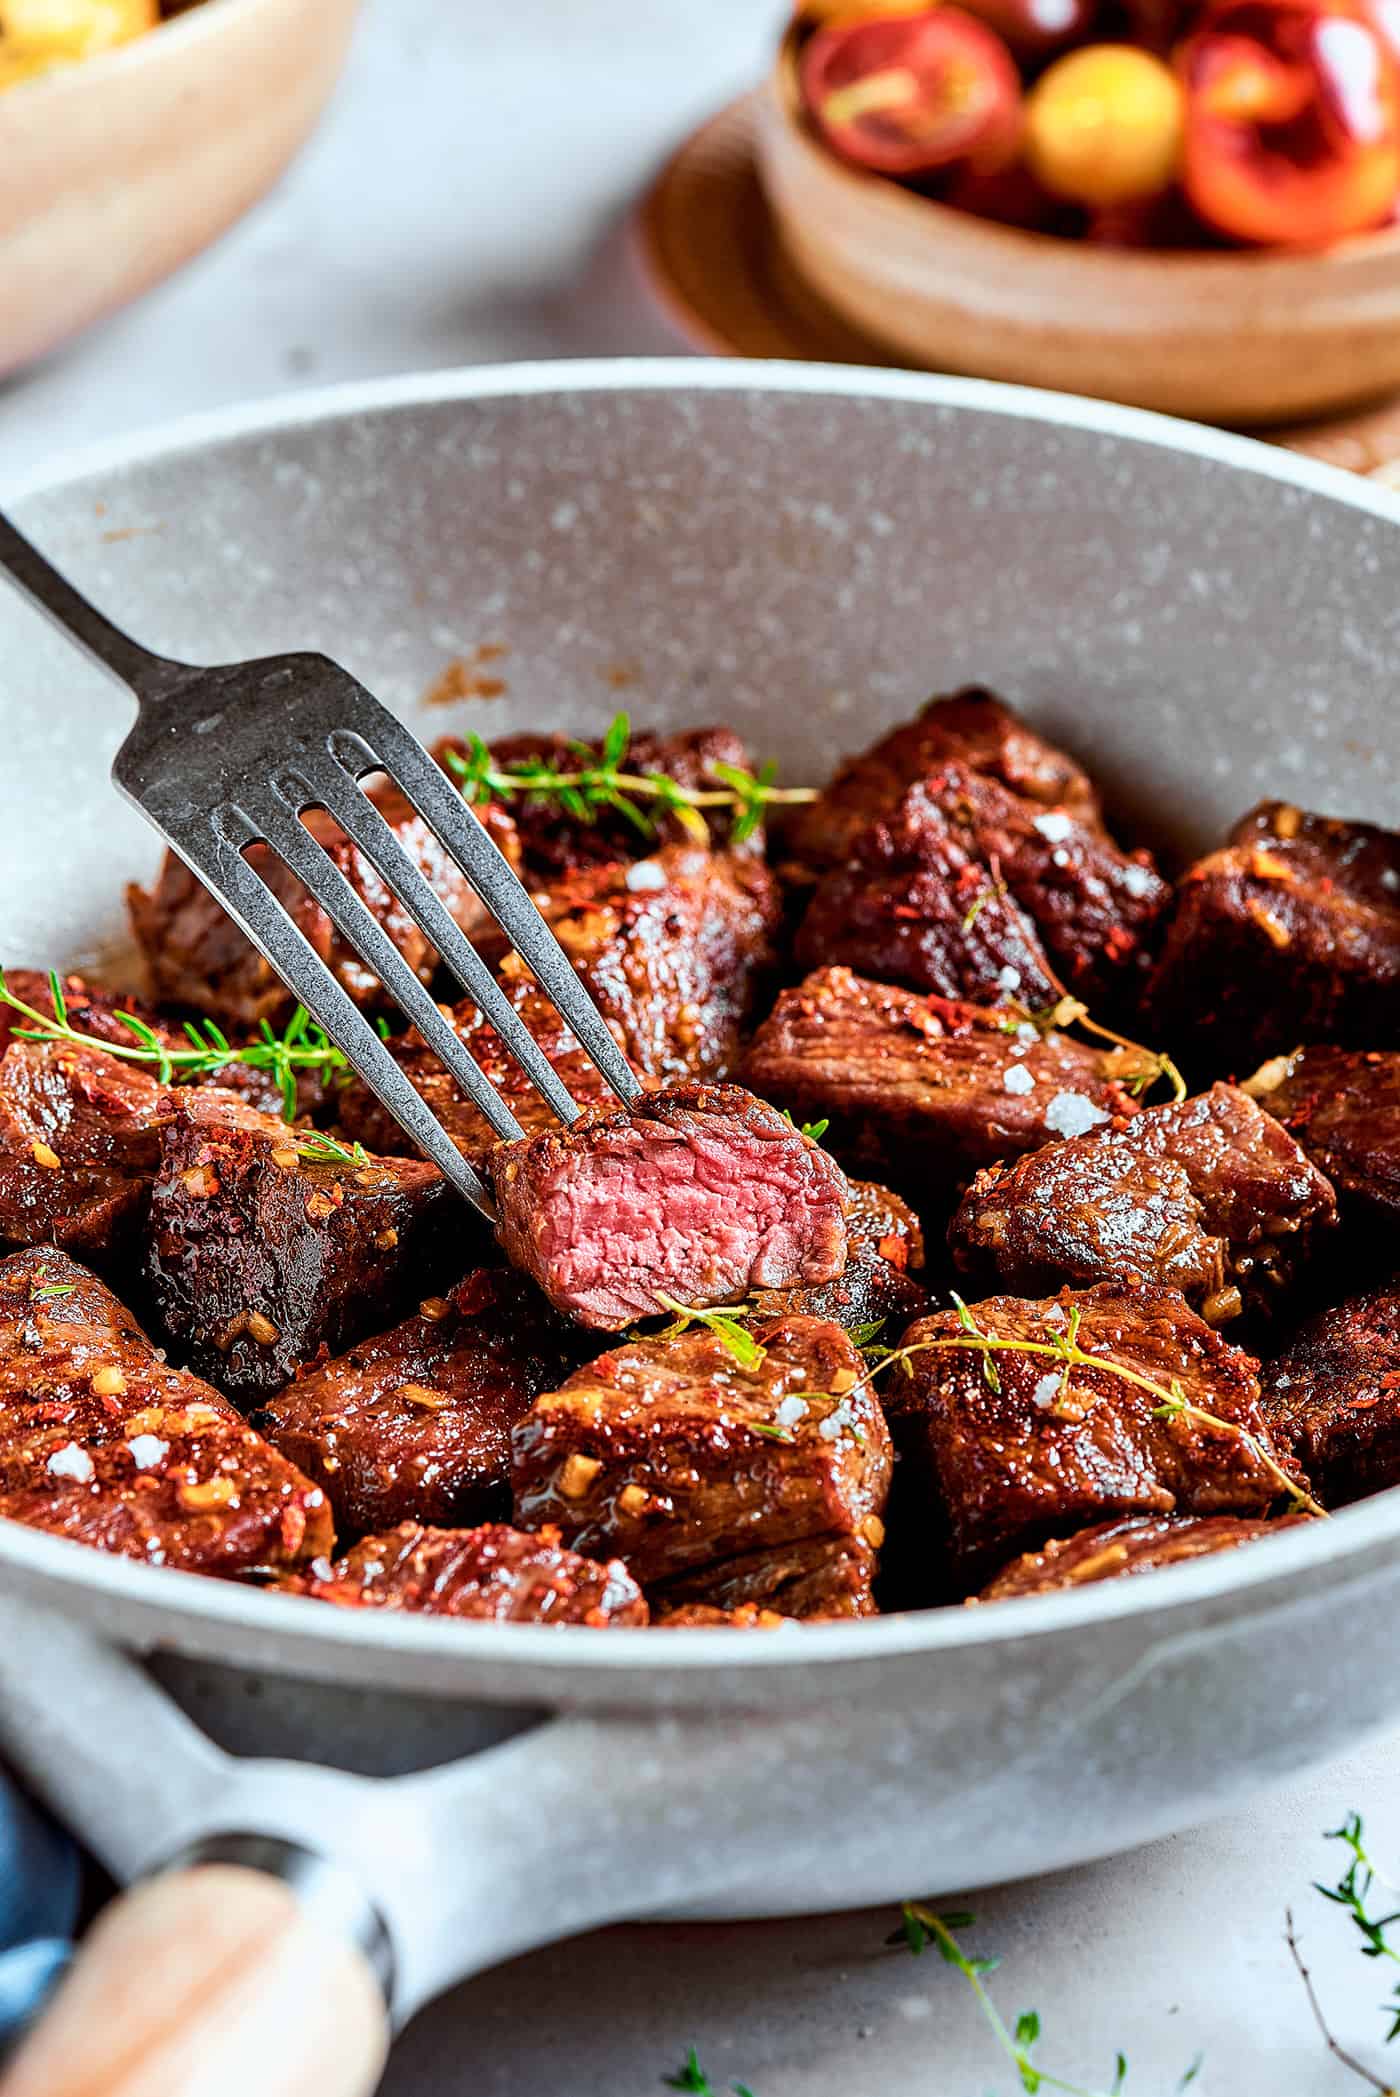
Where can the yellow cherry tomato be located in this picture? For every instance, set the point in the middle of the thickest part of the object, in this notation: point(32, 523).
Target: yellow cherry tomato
point(1104, 125)
point(37, 34)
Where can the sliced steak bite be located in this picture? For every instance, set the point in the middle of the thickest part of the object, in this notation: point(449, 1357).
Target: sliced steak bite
point(555, 839)
point(923, 1090)
point(1013, 1448)
point(1210, 1196)
point(1343, 1106)
point(1290, 934)
point(883, 1243)
point(197, 956)
point(493, 1575)
point(414, 1424)
point(1332, 1398)
point(79, 1142)
point(972, 726)
point(912, 905)
point(674, 948)
point(676, 1455)
point(697, 1194)
point(1117, 1550)
point(818, 1579)
point(267, 1246)
point(102, 1441)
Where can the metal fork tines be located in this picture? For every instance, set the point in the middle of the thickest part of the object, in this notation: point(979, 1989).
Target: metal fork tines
point(225, 758)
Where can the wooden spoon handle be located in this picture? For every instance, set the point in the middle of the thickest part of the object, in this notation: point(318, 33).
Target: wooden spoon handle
point(212, 1982)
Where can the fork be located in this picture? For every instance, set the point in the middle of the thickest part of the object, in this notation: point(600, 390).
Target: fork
point(233, 755)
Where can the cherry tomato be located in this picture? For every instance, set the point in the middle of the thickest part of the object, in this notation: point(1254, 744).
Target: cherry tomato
point(55, 31)
point(905, 94)
point(1292, 123)
point(1103, 125)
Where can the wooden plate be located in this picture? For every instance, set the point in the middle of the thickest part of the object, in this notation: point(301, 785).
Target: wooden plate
point(714, 262)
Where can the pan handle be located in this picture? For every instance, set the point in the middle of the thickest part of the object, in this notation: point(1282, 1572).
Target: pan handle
point(210, 1982)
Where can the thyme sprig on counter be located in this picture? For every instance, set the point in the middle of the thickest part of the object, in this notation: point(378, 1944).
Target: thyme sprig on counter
point(600, 780)
point(302, 1046)
point(922, 1925)
point(692, 2077)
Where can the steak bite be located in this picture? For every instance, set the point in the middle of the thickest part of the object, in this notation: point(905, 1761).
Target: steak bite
point(1117, 1550)
point(702, 1616)
point(676, 1455)
point(414, 1424)
point(673, 947)
point(912, 905)
point(494, 1575)
point(196, 955)
point(972, 726)
point(923, 1090)
point(1343, 1106)
point(79, 1141)
point(1013, 1448)
point(556, 840)
point(1290, 933)
point(102, 1441)
point(1332, 1399)
point(267, 1246)
point(697, 1194)
point(818, 1579)
point(89, 1011)
point(1207, 1195)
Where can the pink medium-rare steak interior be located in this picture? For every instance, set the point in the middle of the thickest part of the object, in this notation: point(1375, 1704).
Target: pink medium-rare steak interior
point(700, 1193)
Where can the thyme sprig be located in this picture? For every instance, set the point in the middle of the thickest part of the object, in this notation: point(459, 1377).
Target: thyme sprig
point(1138, 1068)
point(692, 2077)
point(812, 1130)
point(600, 780)
point(302, 1046)
point(320, 1149)
point(922, 1925)
point(724, 1324)
point(1353, 1892)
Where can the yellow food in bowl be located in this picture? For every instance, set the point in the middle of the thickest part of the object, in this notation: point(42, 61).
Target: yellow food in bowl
point(37, 35)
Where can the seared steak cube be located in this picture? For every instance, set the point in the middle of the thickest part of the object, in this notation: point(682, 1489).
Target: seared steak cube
point(818, 1578)
point(702, 1616)
point(673, 948)
point(883, 1242)
point(361, 1118)
point(414, 1424)
point(913, 905)
point(1291, 933)
point(494, 1575)
point(972, 726)
point(698, 1193)
point(1343, 1105)
point(79, 1140)
point(676, 1455)
point(1116, 1550)
point(1207, 1195)
point(197, 956)
point(923, 1090)
point(267, 1246)
point(102, 1441)
point(1333, 1397)
point(1015, 1447)
point(555, 839)
point(89, 1011)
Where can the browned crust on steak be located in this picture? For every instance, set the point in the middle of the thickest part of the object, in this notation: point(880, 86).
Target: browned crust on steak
point(1333, 1397)
point(493, 1574)
point(1343, 1106)
point(103, 1442)
point(1119, 1550)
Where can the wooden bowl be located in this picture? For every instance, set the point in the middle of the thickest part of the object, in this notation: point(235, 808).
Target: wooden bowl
point(114, 172)
point(1256, 337)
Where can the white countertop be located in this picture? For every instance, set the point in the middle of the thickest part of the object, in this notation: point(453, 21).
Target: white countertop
point(465, 201)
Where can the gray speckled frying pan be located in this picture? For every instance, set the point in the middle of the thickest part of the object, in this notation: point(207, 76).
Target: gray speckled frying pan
point(805, 553)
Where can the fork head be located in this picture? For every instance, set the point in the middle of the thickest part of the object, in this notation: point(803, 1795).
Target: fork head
point(225, 758)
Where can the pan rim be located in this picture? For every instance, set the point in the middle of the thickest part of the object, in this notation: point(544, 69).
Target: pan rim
point(1351, 1544)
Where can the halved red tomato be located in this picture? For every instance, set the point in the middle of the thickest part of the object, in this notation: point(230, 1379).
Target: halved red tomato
point(1292, 123)
point(904, 94)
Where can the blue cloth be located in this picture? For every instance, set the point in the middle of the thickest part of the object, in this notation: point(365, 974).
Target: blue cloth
point(40, 1877)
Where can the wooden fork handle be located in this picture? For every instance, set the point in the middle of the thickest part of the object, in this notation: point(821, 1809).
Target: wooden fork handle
point(209, 1982)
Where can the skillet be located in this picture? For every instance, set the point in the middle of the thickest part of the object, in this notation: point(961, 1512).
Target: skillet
point(804, 553)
